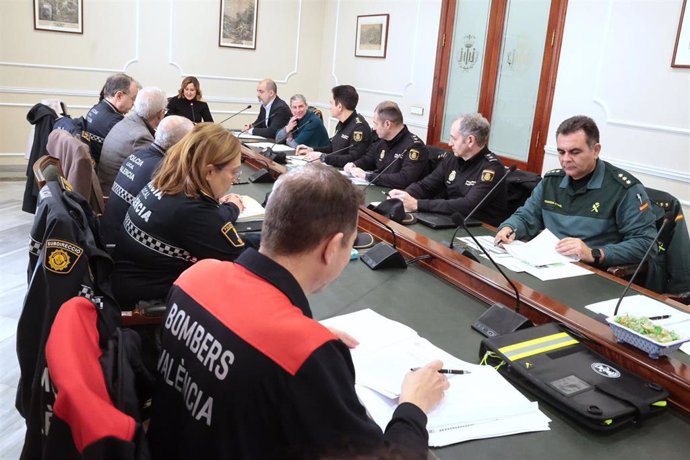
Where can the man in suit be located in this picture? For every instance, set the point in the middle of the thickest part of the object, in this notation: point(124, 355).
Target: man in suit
point(133, 132)
point(274, 113)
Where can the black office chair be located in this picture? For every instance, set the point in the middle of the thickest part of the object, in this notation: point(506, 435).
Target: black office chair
point(436, 156)
point(519, 186)
point(316, 112)
point(668, 272)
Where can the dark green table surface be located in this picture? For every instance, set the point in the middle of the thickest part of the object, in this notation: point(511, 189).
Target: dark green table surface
point(442, 313)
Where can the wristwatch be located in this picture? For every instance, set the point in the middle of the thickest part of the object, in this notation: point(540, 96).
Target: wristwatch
point(596, 253)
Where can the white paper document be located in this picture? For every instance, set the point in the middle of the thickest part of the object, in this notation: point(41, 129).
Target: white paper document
point(479, 404)
point(252, 210)
point(539, 251)
point(246, 136)
point(355, 180)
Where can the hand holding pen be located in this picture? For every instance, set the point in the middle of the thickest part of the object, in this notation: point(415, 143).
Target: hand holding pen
point(506, 235)
point(424, 387)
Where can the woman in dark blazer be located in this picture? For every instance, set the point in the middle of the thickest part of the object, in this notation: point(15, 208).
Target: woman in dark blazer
point(188, 102)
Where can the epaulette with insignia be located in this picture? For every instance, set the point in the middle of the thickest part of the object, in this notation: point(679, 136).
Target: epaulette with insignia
point(358, 121)
point(625, 179)
point(555, 172)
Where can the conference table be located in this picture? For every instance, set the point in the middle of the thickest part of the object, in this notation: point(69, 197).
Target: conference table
point(441, 296)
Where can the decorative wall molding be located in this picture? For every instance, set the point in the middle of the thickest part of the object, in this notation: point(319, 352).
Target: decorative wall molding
point(200, 75)
point(48, 91)
point(382, 92)
point(647, 169)
point(599, 100)
point(137, 25)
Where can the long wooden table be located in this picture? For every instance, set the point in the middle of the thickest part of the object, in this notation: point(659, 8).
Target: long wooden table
point(564, 302)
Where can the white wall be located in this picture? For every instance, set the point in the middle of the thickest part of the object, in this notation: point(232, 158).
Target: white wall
point(615, 66)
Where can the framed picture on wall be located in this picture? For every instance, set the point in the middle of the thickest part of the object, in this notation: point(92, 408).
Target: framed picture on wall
point(372, 36)
point(59, 15)
point(681, 53)
point(238, 23)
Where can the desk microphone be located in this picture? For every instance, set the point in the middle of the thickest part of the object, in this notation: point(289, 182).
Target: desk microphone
point(235, 114)
point(191, 105)
point(498, 319)
point(382, 254)
point(632, 278)
point(252, 125)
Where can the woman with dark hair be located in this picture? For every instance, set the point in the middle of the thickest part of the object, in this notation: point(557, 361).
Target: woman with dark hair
point(188, 102)
point(183, 215)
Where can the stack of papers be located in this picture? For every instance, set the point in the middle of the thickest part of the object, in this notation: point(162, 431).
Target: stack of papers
point(246, 136)
point(480, 404)
point(639, 305)
point(538, 257)
point(355, 180)
point(252, 210)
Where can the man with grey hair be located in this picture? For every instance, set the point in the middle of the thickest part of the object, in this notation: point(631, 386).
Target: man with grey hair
point(460, 182)
point(119, 93)
point(281, 383)
point(136, 172)
point(133, 132)
point(398, 158)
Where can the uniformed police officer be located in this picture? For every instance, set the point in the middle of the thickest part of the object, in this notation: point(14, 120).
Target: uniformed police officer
point(398, 158)
point(601, 213)
point(352, 133)
point(464, 178)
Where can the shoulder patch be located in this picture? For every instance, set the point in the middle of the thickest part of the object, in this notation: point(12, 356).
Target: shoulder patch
point(230, 233)
point(555, 172)
point(488, 175)
point(414, 154)
point(357, 136)
point(61, 256)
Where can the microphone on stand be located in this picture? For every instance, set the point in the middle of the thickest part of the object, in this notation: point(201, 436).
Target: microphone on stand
point(498, 319)
point(476, 208)
point(395, 159)
point(632, 278)
point(249, 106)
point(330, 153)
point(191, 104)
point(251, 125)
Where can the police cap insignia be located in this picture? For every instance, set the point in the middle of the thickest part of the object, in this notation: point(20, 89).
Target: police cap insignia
point(230, 232)
point(488, 175)
point(357, 136)
point(61, 256)
point(414, 154)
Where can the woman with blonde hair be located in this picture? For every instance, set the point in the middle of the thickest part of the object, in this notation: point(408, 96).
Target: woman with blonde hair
point(183, 215)
point(188, 102)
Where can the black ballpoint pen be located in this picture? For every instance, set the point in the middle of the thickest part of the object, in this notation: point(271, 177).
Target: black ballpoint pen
point(447, 371)
point(653, 318)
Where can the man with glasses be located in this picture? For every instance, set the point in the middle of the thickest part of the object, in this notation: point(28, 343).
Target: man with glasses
point(119, 93)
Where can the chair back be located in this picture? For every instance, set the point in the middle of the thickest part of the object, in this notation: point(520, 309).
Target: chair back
point(519, 186)
point(436, 155)
point(47, 168)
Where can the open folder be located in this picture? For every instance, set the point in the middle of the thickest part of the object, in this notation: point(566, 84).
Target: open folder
point(480, 404)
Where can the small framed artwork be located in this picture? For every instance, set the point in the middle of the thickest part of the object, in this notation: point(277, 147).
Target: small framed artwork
point(238, 23)
point(372, 36)
point(59, 16)
point(681, 52)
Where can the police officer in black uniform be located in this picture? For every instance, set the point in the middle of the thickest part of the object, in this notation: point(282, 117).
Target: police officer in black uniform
point(183, 215)
point(398, 158)
point(352, 133)
point(460, 182)
point(136, 172)
point(119, 93)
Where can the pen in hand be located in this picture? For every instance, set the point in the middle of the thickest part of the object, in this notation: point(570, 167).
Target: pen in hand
point(447, 371)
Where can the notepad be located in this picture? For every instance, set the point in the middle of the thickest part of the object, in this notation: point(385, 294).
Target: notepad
point(252, 210)
point(540, 251)
point(479, 404)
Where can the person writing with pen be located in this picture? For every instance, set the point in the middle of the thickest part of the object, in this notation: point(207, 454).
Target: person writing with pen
point(281, 383)
point(601, 213)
